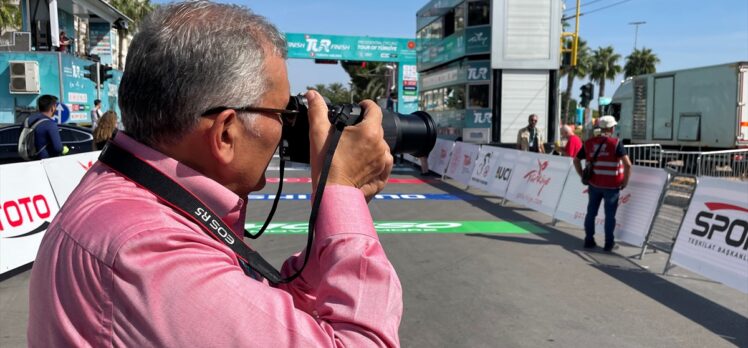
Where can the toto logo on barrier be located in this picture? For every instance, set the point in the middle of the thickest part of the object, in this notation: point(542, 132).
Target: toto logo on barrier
point(536, 176)
point(711, 224)
point(25, 215)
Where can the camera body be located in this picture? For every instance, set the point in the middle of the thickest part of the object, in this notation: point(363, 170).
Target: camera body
point(414, 134)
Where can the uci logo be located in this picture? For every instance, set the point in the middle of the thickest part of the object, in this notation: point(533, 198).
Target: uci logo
point(735, 229)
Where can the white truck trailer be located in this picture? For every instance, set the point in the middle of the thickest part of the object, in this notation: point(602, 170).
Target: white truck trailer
point(699, 109)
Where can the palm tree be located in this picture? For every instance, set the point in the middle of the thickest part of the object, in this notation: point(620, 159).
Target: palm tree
point(604, 66)
point(10, 15)
point(579, 71)
point(640, 62)
point(135, 10)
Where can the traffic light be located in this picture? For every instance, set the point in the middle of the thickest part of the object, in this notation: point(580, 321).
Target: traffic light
point(588, 91)
point(91, 73)
point(104, 73)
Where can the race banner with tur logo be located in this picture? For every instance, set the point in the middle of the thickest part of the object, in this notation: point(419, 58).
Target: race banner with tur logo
point(537, 181)
point(27, 206)
point(713, 238)
point(439, 156)
point(636, 204)
point(463, 160)
point(493, 169)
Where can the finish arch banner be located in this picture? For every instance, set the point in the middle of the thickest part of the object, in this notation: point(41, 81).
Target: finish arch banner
point(636, 204)
point(713, 238)
point(462, 162)
point(439, 156)
point(537, 181)
point(65, 172)
point(493, 169)
point(27, 206)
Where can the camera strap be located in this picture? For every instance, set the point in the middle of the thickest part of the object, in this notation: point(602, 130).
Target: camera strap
point(187, 204)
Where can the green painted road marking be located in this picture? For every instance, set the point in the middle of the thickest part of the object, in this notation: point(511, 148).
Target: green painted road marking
point(438, 227)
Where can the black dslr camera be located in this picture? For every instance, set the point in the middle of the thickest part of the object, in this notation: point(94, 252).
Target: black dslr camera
point(414, 134)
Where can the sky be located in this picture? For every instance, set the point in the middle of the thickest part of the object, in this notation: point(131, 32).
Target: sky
point(682, 33)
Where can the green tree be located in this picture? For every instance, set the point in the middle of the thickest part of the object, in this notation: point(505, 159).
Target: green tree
point(580, 71)
point(335, 92)
point(135, 10)
point(640, 62)
point(604, 66)
point(369, 81)
point(10, 15)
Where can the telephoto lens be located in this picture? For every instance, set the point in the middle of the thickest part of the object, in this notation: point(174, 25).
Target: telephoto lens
point(413, 134)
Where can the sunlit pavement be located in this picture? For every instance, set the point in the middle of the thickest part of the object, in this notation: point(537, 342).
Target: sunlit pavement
point(478, 274)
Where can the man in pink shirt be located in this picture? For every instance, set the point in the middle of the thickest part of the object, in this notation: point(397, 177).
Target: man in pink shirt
point(118, 266)
point(573, 143)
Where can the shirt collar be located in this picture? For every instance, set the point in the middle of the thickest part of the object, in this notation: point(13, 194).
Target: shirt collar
point(215, 196)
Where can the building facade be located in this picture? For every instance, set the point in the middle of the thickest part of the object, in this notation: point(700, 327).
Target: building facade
point(485, 65)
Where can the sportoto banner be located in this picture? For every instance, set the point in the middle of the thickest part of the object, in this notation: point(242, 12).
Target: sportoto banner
point(537, 181)
point(713, 238)
point(439, 156)
point(636, 204)
point(65, 172)
point(28, 206)
point(493, 169)
point(463, 160)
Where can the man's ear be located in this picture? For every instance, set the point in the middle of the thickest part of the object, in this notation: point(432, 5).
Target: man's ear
point(223, 135)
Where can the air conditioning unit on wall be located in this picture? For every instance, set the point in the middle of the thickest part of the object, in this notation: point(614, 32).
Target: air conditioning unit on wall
point(24, 77)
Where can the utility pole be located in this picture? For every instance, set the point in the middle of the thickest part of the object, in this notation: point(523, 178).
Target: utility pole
point(636, 31)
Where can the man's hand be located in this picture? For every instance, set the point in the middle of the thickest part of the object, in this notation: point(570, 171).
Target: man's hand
point(362, 158)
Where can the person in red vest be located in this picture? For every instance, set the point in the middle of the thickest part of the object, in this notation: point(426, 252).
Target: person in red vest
point(610, 174)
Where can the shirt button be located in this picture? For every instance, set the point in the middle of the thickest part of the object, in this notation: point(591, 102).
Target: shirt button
point(315, 314)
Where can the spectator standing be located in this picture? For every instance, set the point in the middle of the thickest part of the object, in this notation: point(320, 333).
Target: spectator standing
point(573, 142)
point(47, 134)
point(611, 170)
point(120, 266)
point(95, 113)
point(531, 138)
point(64, 43)
point(105, 129)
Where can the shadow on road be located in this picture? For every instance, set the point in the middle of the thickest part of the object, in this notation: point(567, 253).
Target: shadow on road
point(718, 319)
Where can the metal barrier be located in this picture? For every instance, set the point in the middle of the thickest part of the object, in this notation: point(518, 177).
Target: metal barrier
point(724, 164)
point(645, 155)
point(670, 212)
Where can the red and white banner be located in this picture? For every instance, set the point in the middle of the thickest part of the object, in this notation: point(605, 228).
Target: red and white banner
point(65, 172)
point(27, 206)
point(713, 238)
point(463, 160)
point(493, 169)
point(439, 156)
point(636, 204)
point(537, 181)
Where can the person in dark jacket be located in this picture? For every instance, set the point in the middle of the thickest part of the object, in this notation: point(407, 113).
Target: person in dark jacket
point(47, 134)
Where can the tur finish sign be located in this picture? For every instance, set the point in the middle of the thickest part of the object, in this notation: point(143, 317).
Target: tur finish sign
point(366, 49)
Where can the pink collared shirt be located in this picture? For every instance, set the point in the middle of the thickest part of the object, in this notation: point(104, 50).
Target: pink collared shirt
point(118, 268)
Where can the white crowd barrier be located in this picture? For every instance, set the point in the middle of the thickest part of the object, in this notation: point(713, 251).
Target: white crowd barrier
point(440, 155)
point(713, 238)
point(493, 169)
point(537, 181)
point(637, 204)
point(462, 162)
point(28, 206)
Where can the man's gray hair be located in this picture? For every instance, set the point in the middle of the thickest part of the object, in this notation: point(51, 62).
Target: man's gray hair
point(189, 57)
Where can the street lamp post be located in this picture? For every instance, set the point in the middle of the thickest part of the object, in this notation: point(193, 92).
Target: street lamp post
point(636, 31)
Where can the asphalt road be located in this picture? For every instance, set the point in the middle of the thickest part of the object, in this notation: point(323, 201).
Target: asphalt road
point(511, 280)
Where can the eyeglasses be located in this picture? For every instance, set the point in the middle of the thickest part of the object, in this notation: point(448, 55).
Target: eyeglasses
point(288, 117)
